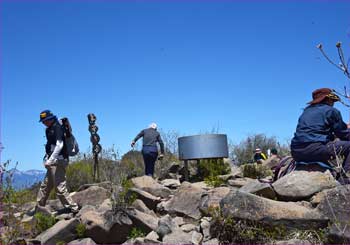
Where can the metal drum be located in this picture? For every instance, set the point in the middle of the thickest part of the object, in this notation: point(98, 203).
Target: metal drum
point(203, 146)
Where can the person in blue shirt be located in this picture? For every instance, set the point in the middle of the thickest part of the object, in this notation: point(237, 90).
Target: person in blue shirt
point(321, 133)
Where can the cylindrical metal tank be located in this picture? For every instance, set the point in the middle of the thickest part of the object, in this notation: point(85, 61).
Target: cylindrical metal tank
point(203, 146)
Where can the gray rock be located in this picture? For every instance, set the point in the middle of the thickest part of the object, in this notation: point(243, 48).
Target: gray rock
point(84, 241)
point(178, 237)
point(148, 184)
point(64, 216)
point(63, 230)
point(212, 198)
point(301, 185)
point(247, 206)
point(179, 221)
point(293, 241)
point(93, 195)
point(148, 199)
point(171, 183)
point(334, 205)
point(142, 220)
point(85, 209)
point(196, 237)
point(105, 206)
point(152, 236)
point(260, 189)
point(139, 205)
point(106, 185)
point(186, 201)
point(188, 227)
point(211, 241)
point(166, 225)
point(205, 227)
point(239, 182)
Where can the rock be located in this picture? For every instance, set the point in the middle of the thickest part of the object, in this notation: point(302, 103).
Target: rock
point(142, 220)
point(152, 236)
point(186, 201)
point(246, 206)
point(335, 205)
point(300, 185)
point(84, 241)
point(85, 209)
point(62, 231)
point(105, 206)
point(196, 237)
point(212, 198)
point(148, 184)
point(178, 237)
point(107, 228)
point(202, 185)
point(318, 197)
point(259, 189)
point(28, 207)
point(44, 210)
point(148, 199)
point(188, 227)
point(239, 182)
point(64, 216)
point(293, 241)
point(211, 241)
point(171, 183)
point(205, 227)
point(179, 221)
point(166, 225)
point(139, 205)
point(53, 205)
point(93, 195)
point(106, 185)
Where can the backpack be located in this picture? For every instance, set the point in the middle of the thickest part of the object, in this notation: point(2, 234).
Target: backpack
point(69, 139)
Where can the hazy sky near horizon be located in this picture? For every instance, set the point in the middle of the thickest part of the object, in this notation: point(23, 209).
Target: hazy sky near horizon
point(190, 66)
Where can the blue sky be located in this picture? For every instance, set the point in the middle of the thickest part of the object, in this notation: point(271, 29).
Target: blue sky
point(242, 67)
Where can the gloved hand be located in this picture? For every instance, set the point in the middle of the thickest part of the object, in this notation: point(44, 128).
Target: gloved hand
point(160, 157)
point(132, 143)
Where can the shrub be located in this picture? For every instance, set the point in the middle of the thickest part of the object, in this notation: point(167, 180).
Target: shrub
point(256, 171)
point(136, 232)
point(80, 230)
point(78, 173)
point(210, 169)
point(43, 222)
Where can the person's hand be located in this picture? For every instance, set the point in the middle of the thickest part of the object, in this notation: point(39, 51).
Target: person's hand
point(132, 143)
point(46, 164)
point(160, 157)
point(348, 125)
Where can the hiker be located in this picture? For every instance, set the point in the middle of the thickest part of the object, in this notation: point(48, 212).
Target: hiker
point(149, 147)
point(318, 127)
point(55, 161)
point(273, 160)
point(259, 156)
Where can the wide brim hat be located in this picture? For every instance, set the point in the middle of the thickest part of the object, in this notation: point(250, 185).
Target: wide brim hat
point(322, 93)
point(46, 115)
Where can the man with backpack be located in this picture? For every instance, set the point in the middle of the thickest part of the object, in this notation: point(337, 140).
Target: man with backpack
point(55, 161)
point(321, 134)
point(149, 147)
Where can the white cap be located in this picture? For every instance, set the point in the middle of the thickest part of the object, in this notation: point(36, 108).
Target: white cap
point(153, 125)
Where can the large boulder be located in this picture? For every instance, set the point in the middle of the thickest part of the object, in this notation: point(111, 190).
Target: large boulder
point(84, 241)
point(246, 206)
point(166, 225)
point(186, 201)
point(144, 221)
point(335, 205)
point(62, 231)
point(239, 182)
point(107, 228)
point(139, 205)
point(301, 185)
point(93, 195)
point(260, 189)
point(106, 185)
point(148, 199)
point(148, 184)
point(212, 198)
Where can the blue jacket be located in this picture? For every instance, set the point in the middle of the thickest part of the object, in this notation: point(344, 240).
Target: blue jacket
point(320, 123)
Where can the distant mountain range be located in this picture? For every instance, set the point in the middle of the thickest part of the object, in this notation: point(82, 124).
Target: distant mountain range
point(24, 179)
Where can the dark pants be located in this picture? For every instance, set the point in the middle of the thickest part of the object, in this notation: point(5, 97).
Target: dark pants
point(323, 152)
point(150, 155)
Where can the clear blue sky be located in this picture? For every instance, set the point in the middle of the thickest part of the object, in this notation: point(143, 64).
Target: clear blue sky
point(189, 66)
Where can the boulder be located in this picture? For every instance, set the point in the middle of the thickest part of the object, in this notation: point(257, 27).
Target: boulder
point(301, 185)
point(212, 198)
point(205, 227)
point(148, 199)
point(106, 185)
point(293, 241)
point(259, 189)
point(196, 238)
point(166, 225)
point(211, 241)
point(188, 227)
point(105, 206)
point(62, 231)
point(139, 205)
point(152, 236)
point(148, 184)
point(84, 241)
point(335, 205)
point(144, 221)
point(171, 183)
point(239, 182)
point(178, 237)
point(246, 206)
point(107, 228)
point(186, 201)
point(93, 195)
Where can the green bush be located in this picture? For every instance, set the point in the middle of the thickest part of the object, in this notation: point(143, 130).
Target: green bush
point(256, 171)
point(43, 222)
point(80, 230)
point(78, 174)
point(210, 169)
point(136, 232)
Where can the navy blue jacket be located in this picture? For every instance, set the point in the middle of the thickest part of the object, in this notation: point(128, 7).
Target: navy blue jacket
point(320, 123)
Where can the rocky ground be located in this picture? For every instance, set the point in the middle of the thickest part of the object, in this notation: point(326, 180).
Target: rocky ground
point(172, 212)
